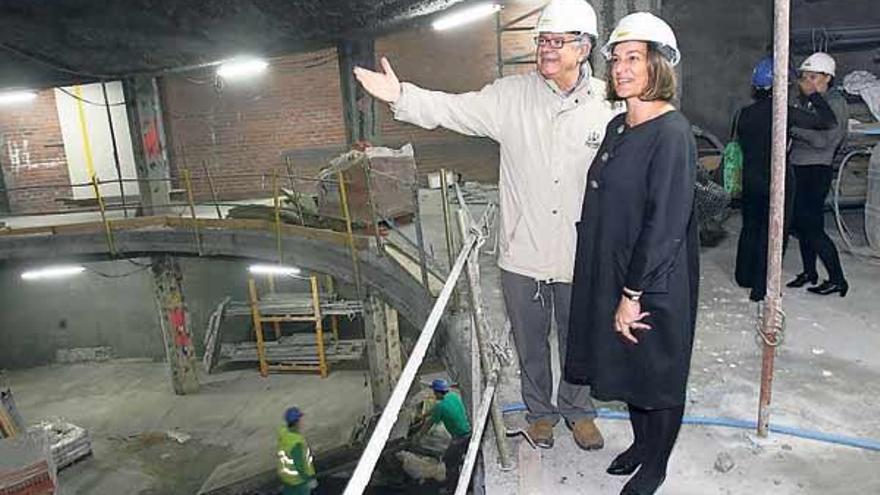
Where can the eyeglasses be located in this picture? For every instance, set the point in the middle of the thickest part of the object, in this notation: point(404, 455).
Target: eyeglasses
point(555, 43)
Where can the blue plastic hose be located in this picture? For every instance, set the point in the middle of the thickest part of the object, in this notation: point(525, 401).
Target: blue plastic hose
point(860, 443)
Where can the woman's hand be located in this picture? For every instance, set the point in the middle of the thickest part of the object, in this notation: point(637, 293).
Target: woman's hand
point(629, 317)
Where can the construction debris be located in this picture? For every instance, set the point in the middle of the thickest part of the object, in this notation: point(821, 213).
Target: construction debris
point(26, 465)
point(296, 349)
point(421, 468)
point(379, 183)
point(10, 420)
point(724, 462)
point(68, 442)
point(83, 355)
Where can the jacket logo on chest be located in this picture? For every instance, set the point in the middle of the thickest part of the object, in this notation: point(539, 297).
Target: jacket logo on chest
point(594, 139)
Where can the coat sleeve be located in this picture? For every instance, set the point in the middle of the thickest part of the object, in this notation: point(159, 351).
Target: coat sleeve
point(831, 137)
point(477, 113)
point(823, 118)
point(668, 207)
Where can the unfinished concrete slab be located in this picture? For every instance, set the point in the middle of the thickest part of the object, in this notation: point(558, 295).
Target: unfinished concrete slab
point(827, 380)
point(148, 440)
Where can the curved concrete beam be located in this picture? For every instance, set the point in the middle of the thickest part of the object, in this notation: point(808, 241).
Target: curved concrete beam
point(310, 249)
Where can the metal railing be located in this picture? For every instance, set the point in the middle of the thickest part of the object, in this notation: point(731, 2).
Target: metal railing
point(473, 236)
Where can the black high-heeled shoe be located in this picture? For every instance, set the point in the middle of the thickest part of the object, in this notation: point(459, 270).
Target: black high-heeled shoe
point(643, 485)
point(803, 279)
point(828, 287)
point(625, 463)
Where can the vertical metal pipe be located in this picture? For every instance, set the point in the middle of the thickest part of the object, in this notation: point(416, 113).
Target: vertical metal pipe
point(115, 149)
point(213, 188)
point(368, 176)
point(491, 371)
point(277, 204)
point(111, 245)
point(192, 210)
point(781, 18)
point(420, 235)
point(447, 222)
point(343, 199)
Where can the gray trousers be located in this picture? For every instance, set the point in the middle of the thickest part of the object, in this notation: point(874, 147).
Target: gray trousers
point(531, 305)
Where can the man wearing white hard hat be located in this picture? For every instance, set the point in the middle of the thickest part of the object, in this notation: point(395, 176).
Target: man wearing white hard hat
point(812, 154)
point(549, 124)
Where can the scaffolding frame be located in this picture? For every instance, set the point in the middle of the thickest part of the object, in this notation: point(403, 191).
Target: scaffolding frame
point(321, 367)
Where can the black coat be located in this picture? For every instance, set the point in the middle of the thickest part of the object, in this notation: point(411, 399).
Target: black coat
point(638, 229)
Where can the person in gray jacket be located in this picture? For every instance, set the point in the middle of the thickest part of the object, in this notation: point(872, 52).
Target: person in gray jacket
point(549, 124)
point(812, 153)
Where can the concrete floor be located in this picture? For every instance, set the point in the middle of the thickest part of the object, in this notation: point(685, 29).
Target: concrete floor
point(128, 407)
point(827, 379)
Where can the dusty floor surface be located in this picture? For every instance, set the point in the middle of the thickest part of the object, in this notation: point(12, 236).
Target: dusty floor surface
point(128, 408)
point(827, 380)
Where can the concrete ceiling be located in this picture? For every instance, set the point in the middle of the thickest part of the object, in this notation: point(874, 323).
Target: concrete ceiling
point(52, 42)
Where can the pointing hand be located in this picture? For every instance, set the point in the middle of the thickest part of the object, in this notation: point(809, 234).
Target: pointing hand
point(382, 85)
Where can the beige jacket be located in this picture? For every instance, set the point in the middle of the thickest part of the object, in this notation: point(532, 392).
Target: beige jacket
point(548, 141)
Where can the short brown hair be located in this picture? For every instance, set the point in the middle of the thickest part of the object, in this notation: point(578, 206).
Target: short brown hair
point(661, 78)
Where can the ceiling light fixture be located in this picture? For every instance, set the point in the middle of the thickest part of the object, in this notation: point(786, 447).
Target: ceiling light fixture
point(240, 68)
point(464, 16)
point(12, 97)
point(53, 272)
point(273, 270)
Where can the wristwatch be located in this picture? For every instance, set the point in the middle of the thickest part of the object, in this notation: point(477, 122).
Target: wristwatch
point(632, 295)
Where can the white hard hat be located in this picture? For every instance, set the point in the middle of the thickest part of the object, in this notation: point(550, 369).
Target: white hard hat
point(568, 16)
point(819, 62)
point(644, 26)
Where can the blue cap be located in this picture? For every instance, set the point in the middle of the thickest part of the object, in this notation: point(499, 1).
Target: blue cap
point(440, 385)
point(293, 415)
point(762, 75)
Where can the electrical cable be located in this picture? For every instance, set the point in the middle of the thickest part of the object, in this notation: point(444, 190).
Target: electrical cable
point(119, 275)
point(857, 442)
point(95, 103)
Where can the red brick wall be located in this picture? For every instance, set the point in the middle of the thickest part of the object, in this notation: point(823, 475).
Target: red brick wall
point(32, 154)
point(244, 127)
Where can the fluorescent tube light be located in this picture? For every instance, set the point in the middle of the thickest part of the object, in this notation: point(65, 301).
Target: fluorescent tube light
point(464, 16)
point(240, 68)
point(273, 270)
point(17, 97)
point(52, 272)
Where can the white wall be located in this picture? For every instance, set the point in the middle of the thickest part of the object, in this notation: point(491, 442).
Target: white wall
point(86, 132)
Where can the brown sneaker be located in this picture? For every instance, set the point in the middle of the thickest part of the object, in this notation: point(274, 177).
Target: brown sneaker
point(541, 433)
point(586, 435)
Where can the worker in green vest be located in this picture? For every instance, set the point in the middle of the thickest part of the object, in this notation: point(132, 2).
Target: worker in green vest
point(295, 466)
point(450, 411)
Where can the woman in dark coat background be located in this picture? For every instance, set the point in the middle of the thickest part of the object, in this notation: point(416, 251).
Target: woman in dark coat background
point(634, 297)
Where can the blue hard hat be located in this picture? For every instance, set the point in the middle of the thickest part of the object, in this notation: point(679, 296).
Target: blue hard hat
point(440, 385)
point(292, 415)
point(762, 75)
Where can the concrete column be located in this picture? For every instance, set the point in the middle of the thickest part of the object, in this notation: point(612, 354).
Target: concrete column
point(175, 323)
point(395, 357)
point(144, 108)
point(375, 334)
point(358, 107)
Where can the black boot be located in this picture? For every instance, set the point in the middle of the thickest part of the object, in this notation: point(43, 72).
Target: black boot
point(803, 279)
point(828, 287)
point(630, 459)
point(662, 431)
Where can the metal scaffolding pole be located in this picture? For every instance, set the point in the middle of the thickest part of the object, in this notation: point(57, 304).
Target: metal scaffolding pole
point(772, 321)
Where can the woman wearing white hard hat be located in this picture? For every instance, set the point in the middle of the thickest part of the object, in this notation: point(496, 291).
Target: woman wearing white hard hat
point(812, 153)
point(636, 275)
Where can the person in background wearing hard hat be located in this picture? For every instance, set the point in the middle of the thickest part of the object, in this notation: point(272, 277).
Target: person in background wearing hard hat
point(812, 153)
point(450, 411)
point(295, 468)
point(549, 124)
point(753, 131)
point(634, 303)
